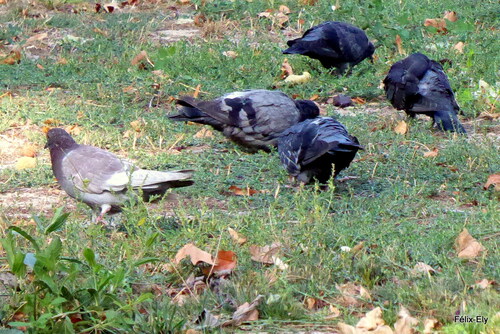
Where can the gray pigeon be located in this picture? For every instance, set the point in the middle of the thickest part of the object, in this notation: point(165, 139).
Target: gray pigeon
point(102, 180)
point(334, 44)
point(419, 85)
point(309, 149)
point(251, 118)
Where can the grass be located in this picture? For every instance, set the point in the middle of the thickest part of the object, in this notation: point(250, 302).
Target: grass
point(404, 207)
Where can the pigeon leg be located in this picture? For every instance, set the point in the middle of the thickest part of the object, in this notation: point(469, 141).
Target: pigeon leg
point(104, 209)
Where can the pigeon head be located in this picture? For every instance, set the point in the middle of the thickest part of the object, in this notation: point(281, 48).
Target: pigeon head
point(369, 51)
point(308, 109)
point(59, 138)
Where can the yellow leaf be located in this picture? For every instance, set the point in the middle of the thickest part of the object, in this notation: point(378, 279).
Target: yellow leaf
point(236, 236)
point(431, 154)
point(467, 246)
point(25, 163)
point(401, 128)
point(197, 255)
point(298, 79)
point(405, 323)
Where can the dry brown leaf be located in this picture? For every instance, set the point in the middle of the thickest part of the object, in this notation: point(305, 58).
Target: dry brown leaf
point(284, 9)
point(493, 179)
point(281, 19)
point(451, 16)
point(405, 323)
point(230, 54)
point(267, 14)
point(265, 254)
point(25, 163)
point(467, 247)
point(484, 284)
point(439, 24)
point(359, 100)
point(37, 37)
point(334, 312)
point(236, 236)
point(431, 154)
point(40, 67)
point(224, 263)
point(244, 313)
point(371, 320)
point(459, 47)
point(351, 294)
point(401, 128)
point(310, 302)
point(197, 91)
point(286, 69)
point(138, 125)
point(14, 57)
point(204, 133)
point(399, 44)
point(298, 79)
point(73, 129)
point(421, 267)
point(197, 255)
point(429, 325)
point(140, 59)
point(62, 61)
point(28, 150)
point(243, 192)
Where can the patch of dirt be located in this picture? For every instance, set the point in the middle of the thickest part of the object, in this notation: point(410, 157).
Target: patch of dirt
point(22, 203)
point(12, 142)
point(175, 30)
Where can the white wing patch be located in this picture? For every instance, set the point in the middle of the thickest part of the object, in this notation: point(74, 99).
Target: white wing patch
point(118, 181)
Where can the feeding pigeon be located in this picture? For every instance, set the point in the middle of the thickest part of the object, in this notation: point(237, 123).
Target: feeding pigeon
point(251, 118)
point(307, 150)
point(102, 180)
point(334, 44)
point(419, 85)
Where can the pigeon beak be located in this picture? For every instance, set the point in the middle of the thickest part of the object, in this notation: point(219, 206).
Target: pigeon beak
point(46, 146)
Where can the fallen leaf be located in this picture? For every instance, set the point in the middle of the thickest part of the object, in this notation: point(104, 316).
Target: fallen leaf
point(138, 125)
point(484, 284)
point(28, 150)
point(359, 100)
point(197, 255)
point(73, 129)
point(314, 97)
point(244, 313)
point(351, 294)
point(25, 163)
point(284, 9)
point(197, 91)
point(371, 320)
point(243, 192)
point(431, 154)
point(439, 24)
point(399, 44)
point(401, 128)
point(421, 267)
point(140, 58)
point(279, 263)
point(467, 247)
point(405, 323)
point(310, 302)
point(199, 20)
point(281, 19)
point(40, 66)
point(204, 133)
point(493, 179)
point(429, 325)
point(225, 262)
point(14, 57)
point(334, 312)
point(230, 54)
point(265, 254)
point(286, 69)
point(451, 16)
point(298, 79)
point(62, 61)
point(207, 320)
point(459, 47)
point(265, 14)
point(236, 236)
point(37, 37)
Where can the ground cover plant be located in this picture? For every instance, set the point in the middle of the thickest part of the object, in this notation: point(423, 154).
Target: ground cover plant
point(411, 233)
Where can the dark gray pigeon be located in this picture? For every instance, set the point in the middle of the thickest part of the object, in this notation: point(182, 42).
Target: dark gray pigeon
point(419, 85)
point(251, 118)
point(102, 180)
point(334, 44)
point(309, 149)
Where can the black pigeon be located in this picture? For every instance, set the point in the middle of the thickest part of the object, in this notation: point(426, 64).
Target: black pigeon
point(309, 149)
point(419, 85)
point(334, 44)
point(102, 180)
point(251, 118)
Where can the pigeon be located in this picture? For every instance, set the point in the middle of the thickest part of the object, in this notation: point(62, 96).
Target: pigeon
point(419, 85)
point(251, 118)
point(334, 44)
point(308, 149)
point(102, 180)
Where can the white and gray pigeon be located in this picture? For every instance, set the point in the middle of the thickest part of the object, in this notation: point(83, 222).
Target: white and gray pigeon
point(418, 85)
point(102, 180)
point(251, 118)
point(312, 149)
point(334, 44)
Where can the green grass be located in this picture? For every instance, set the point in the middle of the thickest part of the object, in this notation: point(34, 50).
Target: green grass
point(406, 208)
